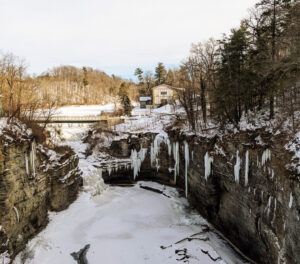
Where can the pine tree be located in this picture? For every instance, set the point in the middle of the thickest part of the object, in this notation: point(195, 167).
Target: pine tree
point(160, 74)
point(233, 73)
point(139, 74)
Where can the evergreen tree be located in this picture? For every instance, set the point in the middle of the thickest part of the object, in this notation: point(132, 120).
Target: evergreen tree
point(234, 77)
point(139, 74)
point(160, 73)
point(274, 21)
point(170, 77)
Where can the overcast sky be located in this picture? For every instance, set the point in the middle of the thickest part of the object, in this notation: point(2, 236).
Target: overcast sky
point(112, 35)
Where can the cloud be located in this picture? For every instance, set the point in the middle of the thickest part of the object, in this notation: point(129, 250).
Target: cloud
point(112, 35)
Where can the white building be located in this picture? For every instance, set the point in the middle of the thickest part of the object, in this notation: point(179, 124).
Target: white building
point(163, 94)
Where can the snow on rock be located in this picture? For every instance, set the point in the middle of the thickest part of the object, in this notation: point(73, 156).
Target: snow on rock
point(145, 120)
point(294, 147)
point(94, 183)
point(14, 131)
point(237, 168)
point(5, 258)
point(207, 165)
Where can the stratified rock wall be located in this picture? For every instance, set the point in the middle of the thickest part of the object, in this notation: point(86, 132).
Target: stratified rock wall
point(249, 195)
point(33, 180)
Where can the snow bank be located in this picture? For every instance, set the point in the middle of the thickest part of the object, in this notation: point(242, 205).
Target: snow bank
point(294, 147)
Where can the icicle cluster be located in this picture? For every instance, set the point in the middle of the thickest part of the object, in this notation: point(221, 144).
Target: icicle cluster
point(137, 159)
point(187, 161)
point(237, 168)
point(266, 156)
point(207, 165)
point(246, 168)
point(176, 159)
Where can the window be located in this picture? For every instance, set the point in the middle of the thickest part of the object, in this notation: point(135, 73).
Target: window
point(164, 93)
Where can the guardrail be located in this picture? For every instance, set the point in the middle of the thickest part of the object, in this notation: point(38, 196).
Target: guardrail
point(78, 119)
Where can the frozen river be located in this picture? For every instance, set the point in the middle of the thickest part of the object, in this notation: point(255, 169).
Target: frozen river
point(126, 225)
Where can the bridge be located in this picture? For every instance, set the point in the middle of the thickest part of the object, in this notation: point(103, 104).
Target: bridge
point(81, 119)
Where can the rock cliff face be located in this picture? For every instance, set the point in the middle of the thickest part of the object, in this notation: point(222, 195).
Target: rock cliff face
point(33, 180)
point(239, 182)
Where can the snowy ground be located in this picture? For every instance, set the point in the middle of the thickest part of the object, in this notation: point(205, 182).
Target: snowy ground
point(84, 110)
point(126, 225)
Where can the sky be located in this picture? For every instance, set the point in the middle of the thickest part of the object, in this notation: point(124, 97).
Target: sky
point(115, 36)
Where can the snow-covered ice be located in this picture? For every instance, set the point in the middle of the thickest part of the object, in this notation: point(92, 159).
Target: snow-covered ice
point(126, 225)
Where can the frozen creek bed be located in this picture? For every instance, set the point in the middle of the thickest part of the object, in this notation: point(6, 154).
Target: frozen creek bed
point(129, 225)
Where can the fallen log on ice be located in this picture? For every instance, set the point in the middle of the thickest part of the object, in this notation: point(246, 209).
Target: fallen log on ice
point(205, 229)
point(210, 256)
point(148, 188)
point(80, 256)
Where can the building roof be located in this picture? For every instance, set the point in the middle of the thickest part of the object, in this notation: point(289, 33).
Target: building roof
point(145, 98)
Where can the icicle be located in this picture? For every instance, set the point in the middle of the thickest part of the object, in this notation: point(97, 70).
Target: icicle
point(109, 169)
point(207, 165)
point(176, 159)
point(246, 168)
point(155, 148)
point(187, 161)
point(237, 168)
point(272, 174)
point(291, 200)
point(257, 162)
point(193, 155)
point(27, 164)
point(32, 158)
point(269, 206)
point(17, 213)
point(274, 214)
point(137, 159)
point(266, 156)
point(169, 147)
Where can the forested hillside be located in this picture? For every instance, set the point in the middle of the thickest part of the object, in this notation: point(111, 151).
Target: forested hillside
point(65, 85)
point(71, 85)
